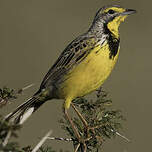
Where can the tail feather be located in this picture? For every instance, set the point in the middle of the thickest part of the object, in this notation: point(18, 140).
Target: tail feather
point(24, 111)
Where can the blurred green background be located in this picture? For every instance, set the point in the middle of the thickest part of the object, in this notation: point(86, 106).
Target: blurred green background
point(32, 35)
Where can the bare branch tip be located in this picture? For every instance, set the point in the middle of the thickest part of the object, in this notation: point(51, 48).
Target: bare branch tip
point(29, 86)
point(122, 136)
point(37, 147)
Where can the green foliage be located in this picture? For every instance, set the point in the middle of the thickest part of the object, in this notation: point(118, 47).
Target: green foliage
point(5, 128)
point(46, 149)
point(103, 122)
point(11, 147)
point(27, 149)
point(6, 94)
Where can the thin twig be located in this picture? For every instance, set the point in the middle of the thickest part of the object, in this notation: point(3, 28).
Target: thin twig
point(42, 141)
point(122, 136)
point(60, 138)
point(85, 147)
point(2, 102)
point(116, 132)
point(24, 88)
point(7, 138)
point(77, 148)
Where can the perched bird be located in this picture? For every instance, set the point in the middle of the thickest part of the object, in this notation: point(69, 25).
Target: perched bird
point(83, 66)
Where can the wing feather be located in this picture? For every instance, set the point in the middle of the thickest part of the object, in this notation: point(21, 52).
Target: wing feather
point(73, 54)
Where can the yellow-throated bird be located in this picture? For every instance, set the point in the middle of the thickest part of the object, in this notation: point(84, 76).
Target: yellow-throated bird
point(83, 66)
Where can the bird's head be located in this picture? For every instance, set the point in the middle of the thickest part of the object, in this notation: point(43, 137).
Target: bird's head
point(112, 16)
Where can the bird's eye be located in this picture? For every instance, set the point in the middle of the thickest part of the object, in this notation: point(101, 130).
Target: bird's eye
point(111, 11)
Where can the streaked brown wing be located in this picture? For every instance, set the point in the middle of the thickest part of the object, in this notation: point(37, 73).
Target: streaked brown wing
point(74, 53)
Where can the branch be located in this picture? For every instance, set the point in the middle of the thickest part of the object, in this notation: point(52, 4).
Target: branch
point(77, 148)
point(60, 139)
point(37, 147)
point(7, 138)
point(122, 136)
point(7, 94)
point(25, 88)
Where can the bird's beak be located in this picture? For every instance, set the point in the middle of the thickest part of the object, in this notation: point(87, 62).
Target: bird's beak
point(128, 12)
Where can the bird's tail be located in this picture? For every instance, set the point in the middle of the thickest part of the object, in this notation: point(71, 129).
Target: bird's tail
point(24, 111)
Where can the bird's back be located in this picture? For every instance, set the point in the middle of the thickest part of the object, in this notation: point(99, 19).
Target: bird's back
point(70, 58)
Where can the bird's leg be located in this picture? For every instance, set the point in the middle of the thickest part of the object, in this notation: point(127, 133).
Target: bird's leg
point(81, 141)
point(83, 121)
point(80, 115)
point(72, 125)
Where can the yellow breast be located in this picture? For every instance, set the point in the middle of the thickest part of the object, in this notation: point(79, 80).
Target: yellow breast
point(89, 74)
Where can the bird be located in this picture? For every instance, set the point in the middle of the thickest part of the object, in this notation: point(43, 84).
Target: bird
point(82, 67)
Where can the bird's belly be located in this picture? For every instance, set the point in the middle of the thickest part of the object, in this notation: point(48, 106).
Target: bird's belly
point(89, 74)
